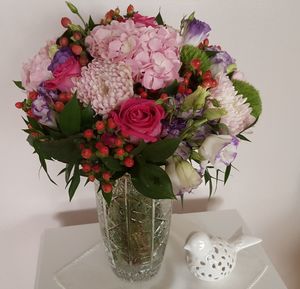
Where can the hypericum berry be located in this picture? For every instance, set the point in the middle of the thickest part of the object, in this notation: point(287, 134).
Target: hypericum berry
point(188, 74)
point(34, 134)
point(86, 168)
point(188, 91)
point(118, 142)
point(214, 83)
point(186, 81)
point(92, 178)
point(144, 94)
point(100, 126)
point(63, 41)
point(106, 176)
point(207, 75)
point(120, 152)
point(130, 10)
point(96, 168)
point(33, 95)
point(195, 63)
point(65, 96)
point(181, 88)
point(103, 151)
point(30, 113)
point(59, 106)
point(117, 11)
point(99, 145)
point(106, 188)
point(19, 105)
point(77, 35)
point(76, 49)
point(86, 153)
point(207, 83)
point(65, 22)
point(128, 162)
point(111, 123)
point(83, 60)
point(129, 148)
point(88, 134)
point(206, 42)
point(164, 96)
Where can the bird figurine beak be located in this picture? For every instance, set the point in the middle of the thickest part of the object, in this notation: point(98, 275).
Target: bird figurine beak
point(187, 247)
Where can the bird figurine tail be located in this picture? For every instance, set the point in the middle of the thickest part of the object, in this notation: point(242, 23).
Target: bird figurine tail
point(240, 241)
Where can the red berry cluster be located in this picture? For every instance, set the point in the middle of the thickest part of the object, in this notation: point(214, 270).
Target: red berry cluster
point(208, 81)
point(101, 141)
point(25, 105)
point(184, 86)
point(75, 42)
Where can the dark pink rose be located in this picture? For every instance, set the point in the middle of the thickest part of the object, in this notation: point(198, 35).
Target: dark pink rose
point(63, 74)
point(144, 20)
point(140, 119)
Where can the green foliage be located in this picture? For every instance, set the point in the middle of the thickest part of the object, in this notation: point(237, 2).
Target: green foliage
point(75, 180)
point(189, 52)
point(227, 173)
point(195, 100)
point(107, 196)
point(69, 119)
point(91, 23)
point(152, 181)
point(242, 137)
point(172, 88)
point(87, 117)
point(208, 179)
point(112, 164)
point(251, 94)
point(158, 152)
point(72, 7)
point(19, 84)
point(159, 19)
point(214, 113)
point(64, 150)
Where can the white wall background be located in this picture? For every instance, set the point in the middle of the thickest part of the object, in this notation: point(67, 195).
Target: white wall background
point(264, 37)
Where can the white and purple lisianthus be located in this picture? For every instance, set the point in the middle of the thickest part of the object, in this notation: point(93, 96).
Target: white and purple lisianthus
point(219, 150)
point(41, 110)
point(194, 31)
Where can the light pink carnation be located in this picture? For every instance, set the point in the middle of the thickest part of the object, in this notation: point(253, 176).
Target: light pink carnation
point(151, 52)
point(104, 85)
point(35, 70)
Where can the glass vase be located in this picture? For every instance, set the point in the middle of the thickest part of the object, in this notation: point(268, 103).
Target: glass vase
point(135, 231)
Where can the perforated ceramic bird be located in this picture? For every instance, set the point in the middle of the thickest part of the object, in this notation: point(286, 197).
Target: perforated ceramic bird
point(212, 258)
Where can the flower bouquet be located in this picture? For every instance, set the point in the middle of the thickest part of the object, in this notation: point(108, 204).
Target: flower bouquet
point(144, 109)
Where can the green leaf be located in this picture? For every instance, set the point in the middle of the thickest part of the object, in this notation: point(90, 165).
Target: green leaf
point(227, 173)
point(69, 168)
point(63, 150)
point(112, 164)
point(214, 113)
point(251, 94)
point(19, 84)
point(195, 100)
point(70, 118)
point(139, 148)
point(61, 172)
point(87, 117)
point(75, 182)
point(152, 181)
point(208, 179)
point(91, 23)
point(172, 88)
point(35, 124)
point(72, 7)
point(242, 137)
point(189, 52)
point(44, 166)
point(107, 197)
point(159, 19)
point(161, 150)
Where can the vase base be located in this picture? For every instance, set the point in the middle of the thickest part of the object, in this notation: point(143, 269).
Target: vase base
point(136, 275)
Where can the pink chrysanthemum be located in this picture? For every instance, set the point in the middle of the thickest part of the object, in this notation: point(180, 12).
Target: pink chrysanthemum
point(151, 52)
point(104, 85)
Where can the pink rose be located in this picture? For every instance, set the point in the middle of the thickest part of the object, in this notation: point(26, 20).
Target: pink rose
point(63, 74)
point(144, 20)
point(140, 119)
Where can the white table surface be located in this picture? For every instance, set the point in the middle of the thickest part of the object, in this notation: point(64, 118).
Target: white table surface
point(61, 246)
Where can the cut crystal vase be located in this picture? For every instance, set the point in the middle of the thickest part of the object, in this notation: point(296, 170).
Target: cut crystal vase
point(135, 231)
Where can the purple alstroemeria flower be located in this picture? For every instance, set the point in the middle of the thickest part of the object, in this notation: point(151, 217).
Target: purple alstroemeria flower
point(50, 95)
point(195, 31)
point(221, 61)
point(41, 110)
point(60, 57)
point(173, 128)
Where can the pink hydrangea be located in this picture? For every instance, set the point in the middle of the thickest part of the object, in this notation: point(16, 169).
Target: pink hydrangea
point(35, 70)
point(151, 52)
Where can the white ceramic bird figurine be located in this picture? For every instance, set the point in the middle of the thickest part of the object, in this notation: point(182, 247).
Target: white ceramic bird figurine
point(213, 258)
